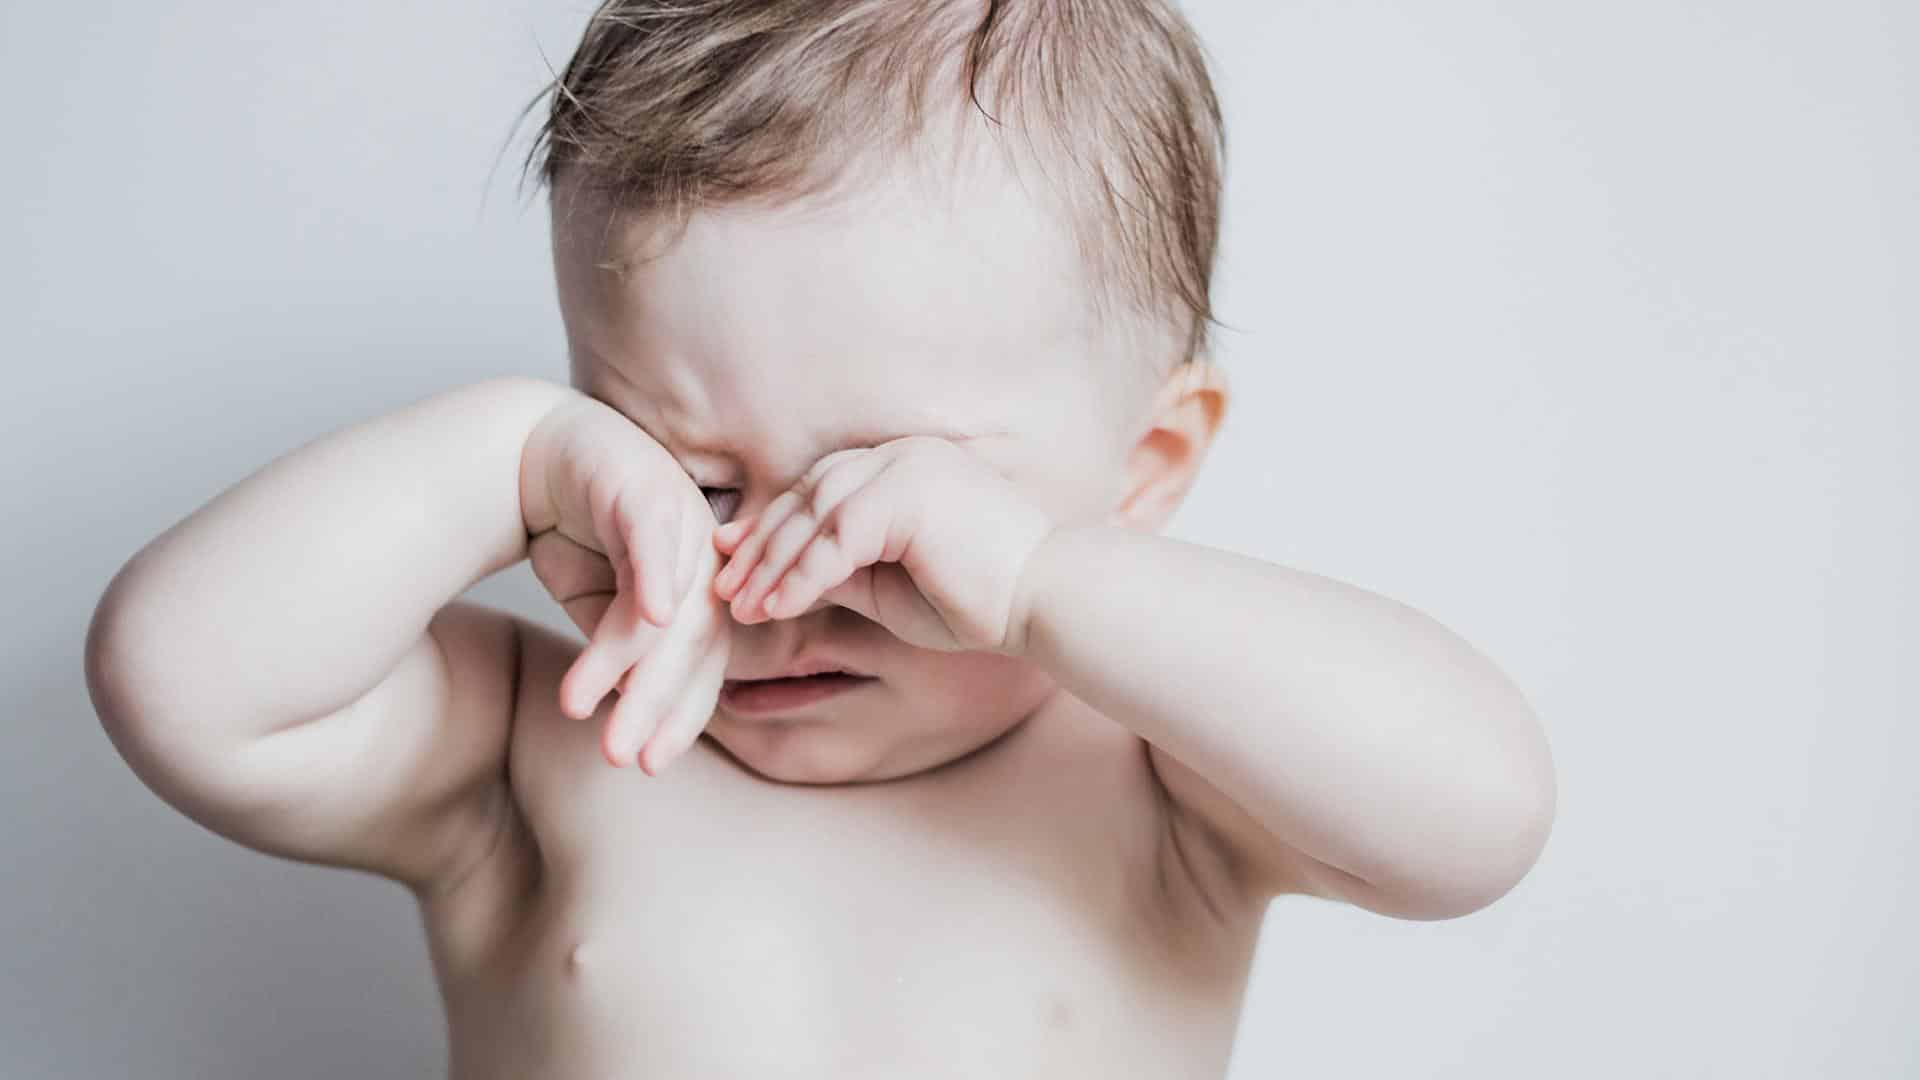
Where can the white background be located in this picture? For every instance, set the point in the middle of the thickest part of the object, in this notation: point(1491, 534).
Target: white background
point(1586, 328)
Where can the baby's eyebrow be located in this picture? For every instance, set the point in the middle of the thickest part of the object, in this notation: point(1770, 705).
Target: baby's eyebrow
point(852, 440)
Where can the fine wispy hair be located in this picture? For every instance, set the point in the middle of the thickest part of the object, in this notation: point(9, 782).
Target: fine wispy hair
point(667, 106)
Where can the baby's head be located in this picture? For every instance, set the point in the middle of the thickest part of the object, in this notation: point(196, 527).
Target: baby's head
point(785, 227)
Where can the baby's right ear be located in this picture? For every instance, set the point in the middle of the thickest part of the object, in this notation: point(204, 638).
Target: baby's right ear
point(1181, 425)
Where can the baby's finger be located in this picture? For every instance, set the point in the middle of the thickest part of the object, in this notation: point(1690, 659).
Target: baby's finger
point(644, 695)
point(617, 557)
point(692, 709)
point(823, 565)
point(838, 475)
point(618, 641)
point(784, 546)
point(594, 672)
point(728, 536)
point(654, 571)
point(748, 553)
point(628, 725)
point(831, 482)
point(688, 568)
point(618, 542)
point(651, 690)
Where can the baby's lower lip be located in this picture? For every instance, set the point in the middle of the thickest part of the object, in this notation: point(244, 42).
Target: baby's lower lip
point(761, 697)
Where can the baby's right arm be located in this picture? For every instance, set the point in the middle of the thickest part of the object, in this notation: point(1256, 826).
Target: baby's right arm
point(286, 666)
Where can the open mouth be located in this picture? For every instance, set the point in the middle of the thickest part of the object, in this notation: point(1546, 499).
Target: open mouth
point(759, 697)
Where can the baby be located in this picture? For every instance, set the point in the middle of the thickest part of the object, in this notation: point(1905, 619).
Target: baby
point(901, 744)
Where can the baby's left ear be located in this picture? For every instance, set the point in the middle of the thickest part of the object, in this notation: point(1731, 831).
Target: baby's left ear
point(1181, 424)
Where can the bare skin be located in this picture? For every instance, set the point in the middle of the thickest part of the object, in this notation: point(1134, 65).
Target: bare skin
point(1039, 841)
point(1022, 911)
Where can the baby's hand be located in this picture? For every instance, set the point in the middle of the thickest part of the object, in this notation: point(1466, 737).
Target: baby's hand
point(621, 539)
point(917, 534)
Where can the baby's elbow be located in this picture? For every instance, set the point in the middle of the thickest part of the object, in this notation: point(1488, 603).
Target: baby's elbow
point(110, 656)
point(1507, 837)
point(188, 764)
point(113, 658)
point(129, 680)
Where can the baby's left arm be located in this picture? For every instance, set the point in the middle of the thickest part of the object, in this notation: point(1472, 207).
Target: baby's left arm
point(1332, 741)
point(1342, 744)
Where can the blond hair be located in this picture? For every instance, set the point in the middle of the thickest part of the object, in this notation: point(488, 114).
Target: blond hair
point(670, 105)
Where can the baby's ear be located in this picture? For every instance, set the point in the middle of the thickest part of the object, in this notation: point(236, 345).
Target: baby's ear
point(1181, 424)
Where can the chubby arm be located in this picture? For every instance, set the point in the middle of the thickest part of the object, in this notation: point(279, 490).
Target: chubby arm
point(1315, 737)
point(287, 665)
point(1331, 741)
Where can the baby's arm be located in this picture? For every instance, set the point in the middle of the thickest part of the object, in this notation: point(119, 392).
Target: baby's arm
point(285, 666)
point(1311, 736)
point(1330, 740)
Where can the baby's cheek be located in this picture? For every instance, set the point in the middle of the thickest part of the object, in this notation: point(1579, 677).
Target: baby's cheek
point(979, 691)
point(1073, 485)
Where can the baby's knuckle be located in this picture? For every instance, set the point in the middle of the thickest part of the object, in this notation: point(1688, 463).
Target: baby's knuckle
point(617, 509)
point(831, 464)
point(816, 472)
point(591, 477)
point(808, 570)
point(926, 446)
point(830, 490)
point(852, 519)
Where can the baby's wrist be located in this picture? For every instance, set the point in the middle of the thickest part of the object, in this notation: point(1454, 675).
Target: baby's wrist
point(545, 442)
point(1035, 585)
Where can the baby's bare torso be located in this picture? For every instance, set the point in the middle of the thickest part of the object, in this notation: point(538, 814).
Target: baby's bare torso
point(1022, 912)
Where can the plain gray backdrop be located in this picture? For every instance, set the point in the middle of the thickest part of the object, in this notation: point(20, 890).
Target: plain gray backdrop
point(1588, 329)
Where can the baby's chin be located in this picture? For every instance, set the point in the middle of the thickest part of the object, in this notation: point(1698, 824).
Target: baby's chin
point(821, 752)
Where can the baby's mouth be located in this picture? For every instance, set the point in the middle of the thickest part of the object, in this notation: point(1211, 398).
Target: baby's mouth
point(762, 697)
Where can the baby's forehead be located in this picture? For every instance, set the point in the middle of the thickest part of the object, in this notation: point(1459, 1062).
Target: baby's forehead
point(891, 307)
point(979, 258)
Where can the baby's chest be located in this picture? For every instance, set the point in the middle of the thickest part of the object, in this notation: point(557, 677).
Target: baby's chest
point(850, 960)
point(772, 925)
point(892, 886)
point(869, 946)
